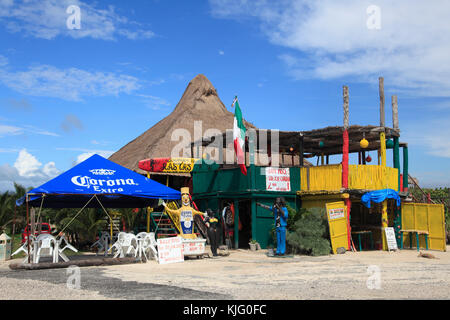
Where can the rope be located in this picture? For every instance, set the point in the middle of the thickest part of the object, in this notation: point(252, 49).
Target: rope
point(40, 208)
point(77, 214)
point(112, 221)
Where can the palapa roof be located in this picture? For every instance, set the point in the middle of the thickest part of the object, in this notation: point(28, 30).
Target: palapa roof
point(200, 102)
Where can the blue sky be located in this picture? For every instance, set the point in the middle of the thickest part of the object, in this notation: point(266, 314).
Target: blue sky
point(65, 94)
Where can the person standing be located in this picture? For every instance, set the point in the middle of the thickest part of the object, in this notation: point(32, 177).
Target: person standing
point(213, 231)
point(280, 213)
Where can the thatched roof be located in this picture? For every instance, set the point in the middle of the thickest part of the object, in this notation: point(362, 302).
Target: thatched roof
point(200, 102)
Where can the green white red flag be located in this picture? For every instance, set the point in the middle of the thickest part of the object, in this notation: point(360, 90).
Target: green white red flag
point(239, 136)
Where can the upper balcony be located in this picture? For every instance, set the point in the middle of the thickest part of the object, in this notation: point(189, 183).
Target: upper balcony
point(328, 178)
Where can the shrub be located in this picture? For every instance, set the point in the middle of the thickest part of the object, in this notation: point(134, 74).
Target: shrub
point(310, 233)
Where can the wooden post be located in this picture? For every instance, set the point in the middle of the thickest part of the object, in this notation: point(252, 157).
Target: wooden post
point(405, 168)
point(395, 113)
point(345, 149)
point(301, 150)
point(29, 231)
point(236, 224)
point(384, 214)
point(381, 89)
point(254, 225)
point(148, 210)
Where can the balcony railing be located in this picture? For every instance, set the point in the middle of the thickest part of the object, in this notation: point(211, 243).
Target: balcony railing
point(365, 177)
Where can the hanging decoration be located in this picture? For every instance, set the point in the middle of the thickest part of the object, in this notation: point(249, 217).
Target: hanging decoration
point(389, 144)
point(364, 143)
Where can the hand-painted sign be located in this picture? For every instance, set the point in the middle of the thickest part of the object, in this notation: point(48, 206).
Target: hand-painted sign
point(390, 238)
point(278, 179)
point(172, 165)
point(170, 250)
point(193, 246)
point(336, 213)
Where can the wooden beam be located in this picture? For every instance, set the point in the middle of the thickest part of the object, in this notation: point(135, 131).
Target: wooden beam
point(381, 89)
point(395, 113)
point(346, 112)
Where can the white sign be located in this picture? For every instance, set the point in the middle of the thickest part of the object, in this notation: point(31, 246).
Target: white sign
point(336, 213)
point(170, 250)
point(390, 238)
point(278, 179)
point(193, 246)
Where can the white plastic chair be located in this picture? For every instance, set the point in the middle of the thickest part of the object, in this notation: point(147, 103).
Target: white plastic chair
point(126, 244)
point(59, 250)
point(24, 248)
point(102, 243)
point(45, 246)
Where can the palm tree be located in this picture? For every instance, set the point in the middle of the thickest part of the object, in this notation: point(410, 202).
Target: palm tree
point(6, 209)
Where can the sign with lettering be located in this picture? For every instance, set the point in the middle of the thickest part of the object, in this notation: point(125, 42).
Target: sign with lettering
point(169, 165)
point(170, 250)
point(278, 179)
point(193, 246)
point(390, 238)
point(336, 213)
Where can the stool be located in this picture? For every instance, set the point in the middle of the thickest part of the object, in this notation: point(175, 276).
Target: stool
point(417, 232)
point(359, 233)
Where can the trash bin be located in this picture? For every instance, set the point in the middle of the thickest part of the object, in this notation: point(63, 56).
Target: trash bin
point(5, 247)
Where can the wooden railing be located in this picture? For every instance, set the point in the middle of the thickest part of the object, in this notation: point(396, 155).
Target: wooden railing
point(365, 177)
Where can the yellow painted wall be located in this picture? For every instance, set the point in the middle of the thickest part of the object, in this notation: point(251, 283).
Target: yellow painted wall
point(428, 217)
point(329, 178)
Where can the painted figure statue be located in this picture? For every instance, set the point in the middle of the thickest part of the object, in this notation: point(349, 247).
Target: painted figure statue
point(186, 215)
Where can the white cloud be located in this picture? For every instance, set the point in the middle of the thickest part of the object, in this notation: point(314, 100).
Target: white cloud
point(154, 103)
point(27, 171)
point(330, 39)
point(68, 84)
point(86, 155)
point(3, 61)
point(7, 130)
point(27, 165)
point(47, 19)
point(221, 52)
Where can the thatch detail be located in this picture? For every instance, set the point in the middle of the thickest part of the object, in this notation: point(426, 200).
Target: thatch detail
point(200, 102)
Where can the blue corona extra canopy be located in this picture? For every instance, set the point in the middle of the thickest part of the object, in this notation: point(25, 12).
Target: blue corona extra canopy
point(114, 186)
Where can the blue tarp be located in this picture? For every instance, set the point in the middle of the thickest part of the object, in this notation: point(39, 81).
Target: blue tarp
point(378, 196)
point(114, 186)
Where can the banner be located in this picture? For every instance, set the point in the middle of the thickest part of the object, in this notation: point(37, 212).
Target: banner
point(170, 250)
point(278, 179)
point(169, 165)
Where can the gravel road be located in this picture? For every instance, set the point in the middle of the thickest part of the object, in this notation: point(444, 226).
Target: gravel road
point(246, 275)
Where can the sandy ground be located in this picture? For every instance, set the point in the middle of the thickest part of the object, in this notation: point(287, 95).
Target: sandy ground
point(247, 275)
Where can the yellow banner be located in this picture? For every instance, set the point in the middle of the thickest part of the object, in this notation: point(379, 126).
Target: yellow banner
point(180, 165)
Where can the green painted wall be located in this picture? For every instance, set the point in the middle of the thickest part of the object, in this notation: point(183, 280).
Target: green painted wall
point(210, 185)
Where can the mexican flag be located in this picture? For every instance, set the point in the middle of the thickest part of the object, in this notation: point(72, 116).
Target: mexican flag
point(239, 136)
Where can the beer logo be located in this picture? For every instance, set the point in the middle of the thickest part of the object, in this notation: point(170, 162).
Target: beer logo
point(102, 172)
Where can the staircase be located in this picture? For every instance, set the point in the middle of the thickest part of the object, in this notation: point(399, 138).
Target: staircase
point(162, 226)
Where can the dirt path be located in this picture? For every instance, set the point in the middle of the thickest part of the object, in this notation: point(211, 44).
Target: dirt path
point(252, 275)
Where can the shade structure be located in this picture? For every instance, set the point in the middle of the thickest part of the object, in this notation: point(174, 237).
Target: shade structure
point(99, 182)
